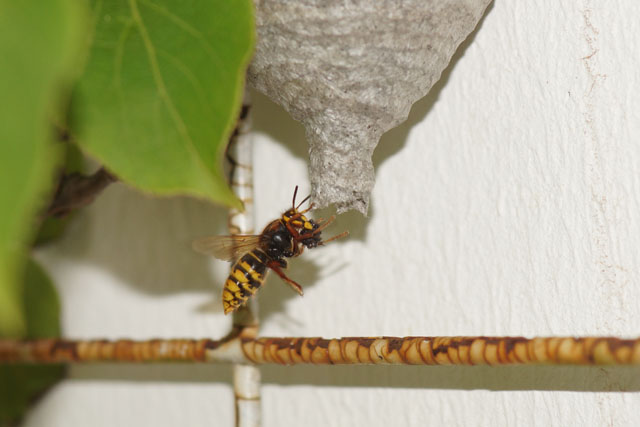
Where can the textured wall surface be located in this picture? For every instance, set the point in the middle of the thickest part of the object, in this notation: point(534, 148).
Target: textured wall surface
point(508, 204)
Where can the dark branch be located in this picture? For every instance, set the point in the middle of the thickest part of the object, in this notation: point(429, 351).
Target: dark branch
point(76, 190)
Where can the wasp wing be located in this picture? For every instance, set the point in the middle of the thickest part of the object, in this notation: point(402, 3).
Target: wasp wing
point(227, 248)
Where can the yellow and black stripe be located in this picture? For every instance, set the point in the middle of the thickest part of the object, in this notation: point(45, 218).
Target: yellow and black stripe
point(246, 277)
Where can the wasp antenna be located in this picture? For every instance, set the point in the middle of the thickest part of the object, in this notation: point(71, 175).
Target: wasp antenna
point(339, 236)
point(311, 206)
point(302, 202)
point(295, 192)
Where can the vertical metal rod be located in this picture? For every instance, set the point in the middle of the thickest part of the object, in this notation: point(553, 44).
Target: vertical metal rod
point(246, 377)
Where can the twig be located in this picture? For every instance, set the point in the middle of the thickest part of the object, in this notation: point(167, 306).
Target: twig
point(242, 128)
point(319, 351)
point(76, 190)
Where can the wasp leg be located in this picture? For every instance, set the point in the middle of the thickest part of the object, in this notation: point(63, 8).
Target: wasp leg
point(292, 230)
point(339, 236)
point(277, 267)
point(323, 225)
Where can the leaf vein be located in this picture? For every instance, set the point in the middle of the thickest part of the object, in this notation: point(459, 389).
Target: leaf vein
point(186, 27)
point(186, 71)
point(162, 88)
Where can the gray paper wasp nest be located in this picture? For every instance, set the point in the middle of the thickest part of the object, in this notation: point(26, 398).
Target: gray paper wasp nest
point(350, 71)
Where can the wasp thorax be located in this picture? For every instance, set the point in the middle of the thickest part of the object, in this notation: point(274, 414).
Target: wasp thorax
point(279, 243)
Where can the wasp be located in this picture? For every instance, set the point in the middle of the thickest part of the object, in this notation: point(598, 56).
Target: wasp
point(255, 255)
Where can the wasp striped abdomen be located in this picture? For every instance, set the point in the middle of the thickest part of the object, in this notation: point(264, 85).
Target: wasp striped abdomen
point(246, 277)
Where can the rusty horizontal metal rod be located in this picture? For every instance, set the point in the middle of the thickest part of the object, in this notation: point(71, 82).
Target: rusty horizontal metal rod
point(352, 350)
point(123, 350)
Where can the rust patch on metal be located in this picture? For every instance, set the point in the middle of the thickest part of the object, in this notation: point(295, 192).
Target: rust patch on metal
point(394, 343)
point(210, 344)
point(510, 343)
point(364, 342)
point(617, 343)
point(64, 349)
point(322, 343)
point(281, 343)
point(297, 348)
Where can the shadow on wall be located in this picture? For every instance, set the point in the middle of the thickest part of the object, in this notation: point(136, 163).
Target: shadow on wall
point(146, 241)
point(276, 292)
point(507, 378)
point(272, 120)
point(307, 272)
point(559, 378)
point(157, 372)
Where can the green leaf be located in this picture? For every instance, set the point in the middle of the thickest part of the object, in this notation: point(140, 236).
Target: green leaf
point(39, 46)
point(41, 303)
point(162, 89)
point(21, 384)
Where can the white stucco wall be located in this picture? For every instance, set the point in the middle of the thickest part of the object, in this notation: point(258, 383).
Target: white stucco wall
point(508, 204)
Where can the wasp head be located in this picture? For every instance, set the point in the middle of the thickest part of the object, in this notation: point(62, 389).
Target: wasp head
point(298, 221)
point(305, 231)
point(311, 238)
point(295, 218)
